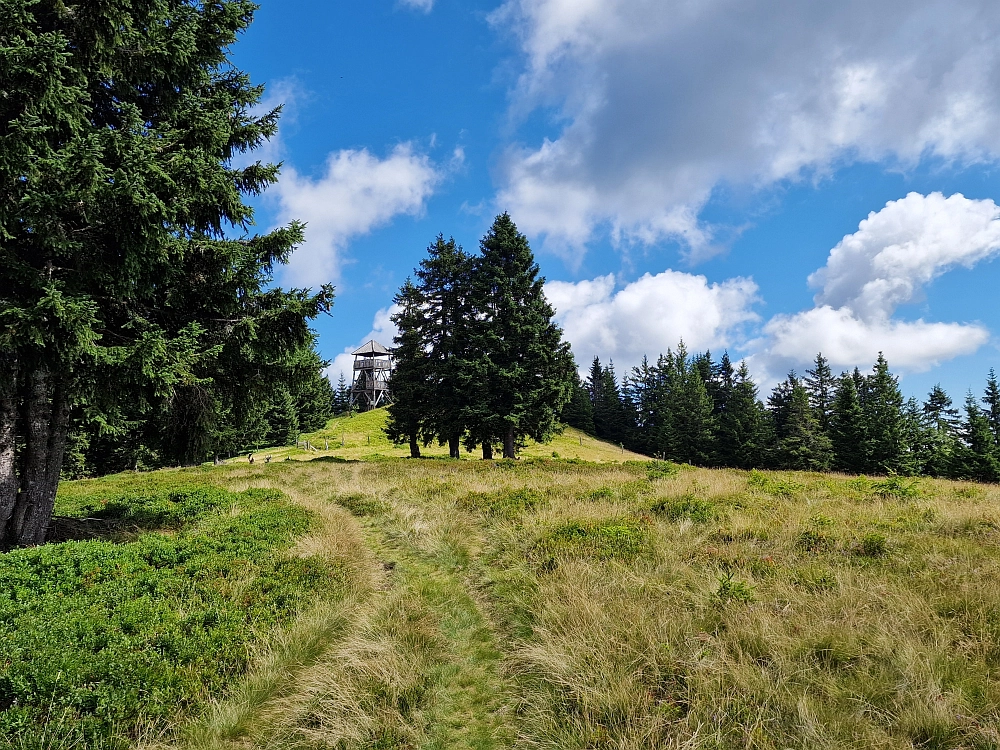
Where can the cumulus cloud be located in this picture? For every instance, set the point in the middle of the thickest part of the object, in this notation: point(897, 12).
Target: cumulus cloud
point(901, 248)
point(888, 262)
point(659, 103)
point(383, 330)
point(357, 193)
point(650, 315)
point(848, 340)
point(422, 5)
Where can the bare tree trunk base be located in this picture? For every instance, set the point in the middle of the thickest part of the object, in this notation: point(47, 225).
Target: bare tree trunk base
point(508, 443)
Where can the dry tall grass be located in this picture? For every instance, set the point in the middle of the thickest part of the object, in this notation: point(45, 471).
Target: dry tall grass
point(560, 605)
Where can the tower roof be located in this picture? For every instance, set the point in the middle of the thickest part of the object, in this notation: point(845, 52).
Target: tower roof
point(371, 349)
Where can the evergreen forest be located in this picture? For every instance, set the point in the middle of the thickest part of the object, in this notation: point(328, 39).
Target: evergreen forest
point(690, 408)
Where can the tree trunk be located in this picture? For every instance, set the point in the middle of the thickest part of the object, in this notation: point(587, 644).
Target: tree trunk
point(46, 425)
point(414, 447)
point(453, 447)
point(8, 444)
point(487, 450)
point(508, 442)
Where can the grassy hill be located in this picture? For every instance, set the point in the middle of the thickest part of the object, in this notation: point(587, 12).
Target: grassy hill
point(543, 603)
point(362, 436)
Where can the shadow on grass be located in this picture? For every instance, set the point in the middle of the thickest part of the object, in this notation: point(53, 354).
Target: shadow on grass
point(122, 517)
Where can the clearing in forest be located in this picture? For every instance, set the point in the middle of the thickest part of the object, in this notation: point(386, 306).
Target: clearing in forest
point(561, 604)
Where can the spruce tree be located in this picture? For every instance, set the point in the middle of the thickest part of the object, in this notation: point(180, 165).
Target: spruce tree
point(821, 386)
point(129, 274)
point(343, 395)
point(940, 435)
point(847, 428)
point(524, 370)
point(802, 444)
point(410, 381)
point(643, 396)
point(977, 454)
point(579, 412)
point(741, 425)
point(690, 422)
point(991, 400)
point(883, 410)
point(444, 281)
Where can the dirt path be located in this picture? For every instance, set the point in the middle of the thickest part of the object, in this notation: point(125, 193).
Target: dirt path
point(405, 659)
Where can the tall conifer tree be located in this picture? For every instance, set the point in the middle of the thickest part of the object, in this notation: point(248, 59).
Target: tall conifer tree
point(977, 456)
point(940, 422)
point(128, 272)
point(741, 426)
point(821, 386)
point(991, 402)
point(444, 281)
point(883, 410)
point(410, 381)
point(526, 371)
point(847, 428)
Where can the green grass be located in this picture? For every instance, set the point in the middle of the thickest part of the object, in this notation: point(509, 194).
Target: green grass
point(543, 603)
point(101, 636)
point(362, 437)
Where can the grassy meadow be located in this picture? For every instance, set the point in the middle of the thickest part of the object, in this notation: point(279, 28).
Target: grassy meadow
point(362, 437)
point(544, 603)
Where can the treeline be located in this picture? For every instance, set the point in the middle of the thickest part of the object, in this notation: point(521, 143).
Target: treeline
point(478, 360)
point(255, 397)
point(692, 409)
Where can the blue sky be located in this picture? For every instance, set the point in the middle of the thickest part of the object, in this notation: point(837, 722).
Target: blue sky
point(769, 177)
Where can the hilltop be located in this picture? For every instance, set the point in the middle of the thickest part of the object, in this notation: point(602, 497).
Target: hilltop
point(362, 437)
point(397, 603)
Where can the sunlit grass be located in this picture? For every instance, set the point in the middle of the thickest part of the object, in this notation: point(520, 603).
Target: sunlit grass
point(549, 603)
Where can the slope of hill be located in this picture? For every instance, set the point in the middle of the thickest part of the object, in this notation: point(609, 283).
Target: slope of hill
point(534, 604)
point(362, 436)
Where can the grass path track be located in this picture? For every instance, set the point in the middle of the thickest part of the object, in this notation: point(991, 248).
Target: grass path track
point(279, 705)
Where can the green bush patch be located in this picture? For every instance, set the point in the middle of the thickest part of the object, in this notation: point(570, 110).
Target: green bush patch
point(779, 486)
point(896, 488)
point(97, 637)
point(730, 589)
point(504, 504)
point(872, 545)
point(601, 540)
point(361, 505)
point(661, 470)
point(688, 506)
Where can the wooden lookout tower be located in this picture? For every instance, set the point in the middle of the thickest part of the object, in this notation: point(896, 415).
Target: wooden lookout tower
point(370, 384)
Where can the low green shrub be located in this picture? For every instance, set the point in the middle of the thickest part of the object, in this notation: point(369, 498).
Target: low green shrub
point(688, 506)
point(816, 538)
point(780, 486)
point(97, 637)
point(730, 589)
point(504, 504)
point(623, 539)
point(872, 545)
point(361, 505)
point(897, 488)
point(661, 470)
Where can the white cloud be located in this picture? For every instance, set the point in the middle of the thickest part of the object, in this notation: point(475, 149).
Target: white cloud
point(422, 5)
point(849, 341)
point(650, 315)
point(659, 103)
point(358, 193)
point(894, 254)
point(383, 331)
point(907, 244)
